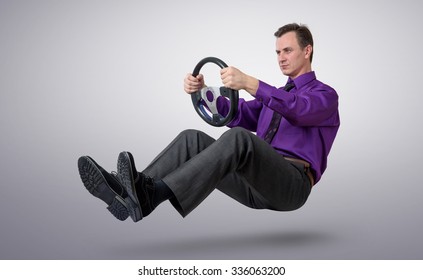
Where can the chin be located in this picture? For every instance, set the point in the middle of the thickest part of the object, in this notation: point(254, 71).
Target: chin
point(286, 72)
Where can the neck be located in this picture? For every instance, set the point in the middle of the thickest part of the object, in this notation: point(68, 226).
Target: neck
point(305, 69)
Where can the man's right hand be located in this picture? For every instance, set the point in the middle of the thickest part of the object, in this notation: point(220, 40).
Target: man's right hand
point(193, 84)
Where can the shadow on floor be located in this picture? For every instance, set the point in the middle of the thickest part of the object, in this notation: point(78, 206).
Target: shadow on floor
point(243, 246)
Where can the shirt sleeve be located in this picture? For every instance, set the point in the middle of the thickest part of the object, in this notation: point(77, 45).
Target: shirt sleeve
point(247, 115)
point(310, 105)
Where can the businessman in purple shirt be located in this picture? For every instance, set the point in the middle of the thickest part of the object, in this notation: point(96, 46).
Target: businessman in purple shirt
point(275, 168)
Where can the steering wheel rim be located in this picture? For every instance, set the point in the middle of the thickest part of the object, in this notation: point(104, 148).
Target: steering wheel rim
point(207, 96)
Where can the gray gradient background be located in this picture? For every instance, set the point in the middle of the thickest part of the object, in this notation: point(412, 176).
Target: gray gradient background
point(99, 77)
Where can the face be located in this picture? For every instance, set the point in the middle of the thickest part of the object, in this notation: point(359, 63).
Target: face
point(293, 61)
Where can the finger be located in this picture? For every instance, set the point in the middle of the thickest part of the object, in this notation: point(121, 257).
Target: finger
point(189, 89)
point(192, 87)
point(224, 75)
point(223, 71)
point(191, 78)
point(191, 81)
point(226, 82)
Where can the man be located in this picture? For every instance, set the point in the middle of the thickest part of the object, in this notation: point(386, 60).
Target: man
point(273, 169)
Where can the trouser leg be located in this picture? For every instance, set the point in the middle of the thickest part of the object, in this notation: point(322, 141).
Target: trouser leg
point(186, 145)
point(242, 166)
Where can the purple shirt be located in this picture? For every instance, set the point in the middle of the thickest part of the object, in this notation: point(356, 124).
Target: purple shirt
point(310, 119)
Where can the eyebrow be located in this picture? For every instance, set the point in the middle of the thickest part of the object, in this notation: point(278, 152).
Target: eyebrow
point(285, 49)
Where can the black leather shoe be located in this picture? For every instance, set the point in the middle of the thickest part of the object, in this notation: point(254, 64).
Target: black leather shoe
point(104, 186)
point(139, 187)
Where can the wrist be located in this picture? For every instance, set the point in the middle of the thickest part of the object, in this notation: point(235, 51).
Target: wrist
point(251, 85)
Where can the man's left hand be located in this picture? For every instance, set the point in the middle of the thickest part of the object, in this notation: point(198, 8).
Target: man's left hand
point(235, 79)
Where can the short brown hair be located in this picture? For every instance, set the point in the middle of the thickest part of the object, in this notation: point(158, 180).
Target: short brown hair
point(304, 36)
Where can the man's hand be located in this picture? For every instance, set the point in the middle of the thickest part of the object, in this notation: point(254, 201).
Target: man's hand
point(235, 79)
point(193, 84)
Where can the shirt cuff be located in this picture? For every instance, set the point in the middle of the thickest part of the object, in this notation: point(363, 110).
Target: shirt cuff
point(264, 93)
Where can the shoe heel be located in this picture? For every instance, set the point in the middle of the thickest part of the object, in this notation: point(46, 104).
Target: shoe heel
point(118, 209)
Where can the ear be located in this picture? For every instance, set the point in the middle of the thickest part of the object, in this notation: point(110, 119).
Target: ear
point(308, 51)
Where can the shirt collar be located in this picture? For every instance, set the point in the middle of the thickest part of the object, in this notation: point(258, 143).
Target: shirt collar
point(302, 80)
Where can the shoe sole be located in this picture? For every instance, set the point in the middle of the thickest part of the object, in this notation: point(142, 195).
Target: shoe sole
point(97, 185)
point(124, 169)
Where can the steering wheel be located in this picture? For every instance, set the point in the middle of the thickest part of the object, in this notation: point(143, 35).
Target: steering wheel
point(205, 100)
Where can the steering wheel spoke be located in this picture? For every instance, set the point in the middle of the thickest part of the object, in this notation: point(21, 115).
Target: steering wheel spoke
point(210, 96)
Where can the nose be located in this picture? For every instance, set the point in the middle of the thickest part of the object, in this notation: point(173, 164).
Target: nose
point(281, 57)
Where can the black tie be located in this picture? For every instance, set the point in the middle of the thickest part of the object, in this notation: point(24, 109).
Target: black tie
point(276, 119)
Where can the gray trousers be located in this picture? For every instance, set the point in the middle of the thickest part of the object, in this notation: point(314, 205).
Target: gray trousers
point(239, 164)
